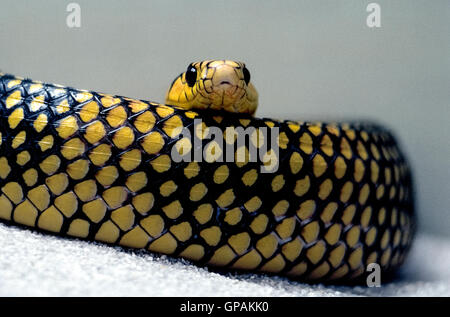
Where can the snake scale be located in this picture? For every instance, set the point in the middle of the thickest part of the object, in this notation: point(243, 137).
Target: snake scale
point(99, 167)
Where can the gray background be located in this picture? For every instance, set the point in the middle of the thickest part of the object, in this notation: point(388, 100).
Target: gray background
point(308, 59)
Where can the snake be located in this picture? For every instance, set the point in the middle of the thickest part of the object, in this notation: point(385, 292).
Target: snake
point(318, 202)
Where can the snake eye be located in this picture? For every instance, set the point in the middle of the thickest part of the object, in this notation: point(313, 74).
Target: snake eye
point(246, 75)
point(191, 75)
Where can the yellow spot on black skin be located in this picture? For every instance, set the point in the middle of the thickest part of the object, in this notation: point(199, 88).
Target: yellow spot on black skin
point(144, 202)
point(50, 165)
point(86, 190)
point(259, 224)
point(355, 258)
point(123, 138)
point(249, 261)
point(23, 158)
point(25, 213)
point(135, 238)
point(191, 170)
point(95, 132)
point(298, 270)
point(316, 252)
point(95, 210)
point(280, 208)
point(109, 101)
point(67, 204)
point(302, 186)
point(145, 122)
point(203, 213)
point(233, 216)
point(182, 232)
point(333, 234)
point(320, 271)
point(78, 169)
point(123, 217)
point(115, 196)
point(67, 127)
point(211, 235)
point(250, 177)
point(57, 183)
point(306, 143)
point(153, 142)
point(13, 99)
point(15, 118)
point(137, 181)
point(30, 177)
point(83, 96)
point(193, 252)
point(100, 154)
point(169, 187)
point(108, 232)
point(5, 168)
point(89, 111)
point(310, 232)
point(319, 165)
point(51, 220)
point(340, 167)
point(292, 249)
point(116, 116)
point(6, 208)
point(164, 244)
point(221, 174)
point(278, 183)
point(153, 224)
point(162, 164)
point(46, 143)
point(348, 214)
point(306, 209)
point(173, 210)
point(328, 212)
point(37, 103)
point(226, 198)
point(253, 204)
point(222, 256)
point(63, 107)
point(267, 245)
point(286, 228)
point(198, 191)
point(40, 197)
point(13, 191)
point(19, 139)
point(73, 148)
point(107, 175)
point(13, 83)
point(240, 242)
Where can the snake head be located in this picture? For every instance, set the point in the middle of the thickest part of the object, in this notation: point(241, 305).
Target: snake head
point(214, 84)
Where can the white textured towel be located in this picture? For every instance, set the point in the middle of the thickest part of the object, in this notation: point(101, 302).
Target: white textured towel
point(35, 264)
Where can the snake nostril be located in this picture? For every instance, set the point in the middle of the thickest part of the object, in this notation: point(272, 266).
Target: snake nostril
point(225, 82)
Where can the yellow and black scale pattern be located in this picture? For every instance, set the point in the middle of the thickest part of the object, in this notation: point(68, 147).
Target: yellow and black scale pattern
point(98, 167)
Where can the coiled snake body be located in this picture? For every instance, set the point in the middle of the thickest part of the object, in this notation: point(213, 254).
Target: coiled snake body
point(100, 167)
